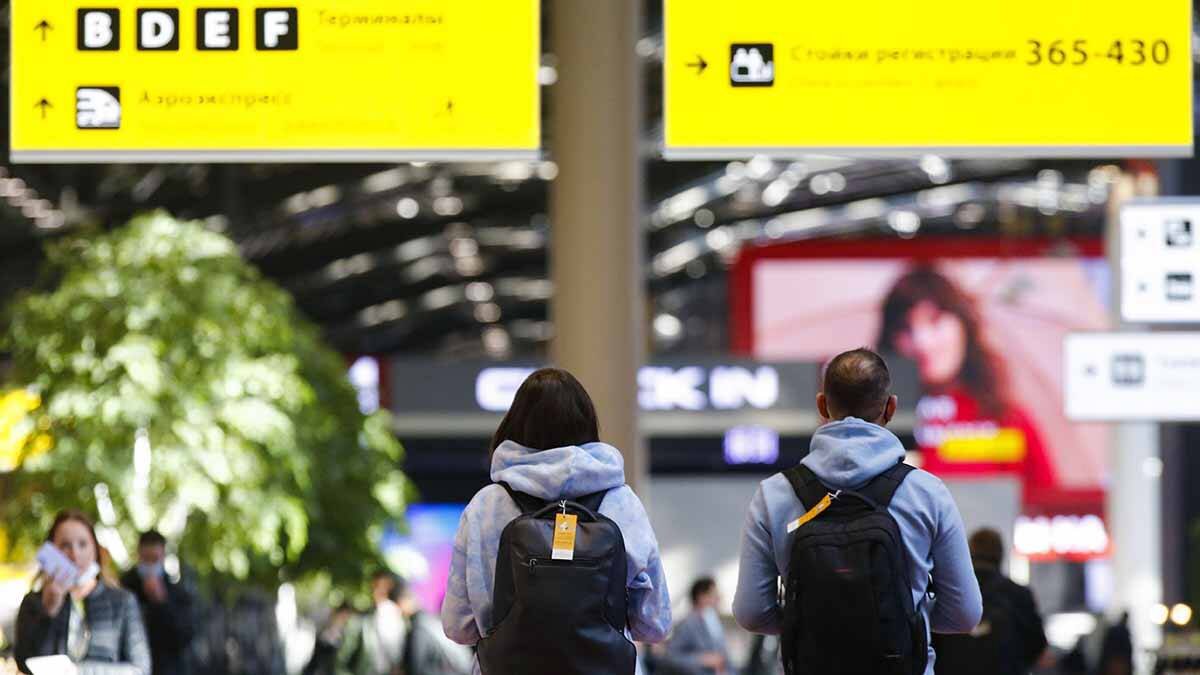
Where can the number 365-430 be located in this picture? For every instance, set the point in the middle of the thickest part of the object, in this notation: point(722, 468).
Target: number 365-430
point(1078, 52)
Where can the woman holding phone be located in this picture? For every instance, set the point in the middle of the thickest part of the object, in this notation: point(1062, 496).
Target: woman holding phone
point(78, 612)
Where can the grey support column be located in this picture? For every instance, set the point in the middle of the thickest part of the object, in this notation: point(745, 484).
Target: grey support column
point(595, 212)
point(1135, 488)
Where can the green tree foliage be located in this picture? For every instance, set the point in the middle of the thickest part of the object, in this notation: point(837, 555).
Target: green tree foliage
point(259, 456)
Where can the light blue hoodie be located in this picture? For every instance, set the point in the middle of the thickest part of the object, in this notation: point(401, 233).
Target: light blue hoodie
point(550, 475)
point(845, 455)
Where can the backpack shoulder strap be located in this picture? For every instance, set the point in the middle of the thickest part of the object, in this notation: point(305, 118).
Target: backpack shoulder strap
point(807, 486)
point(526, 503)
point(883, 487)
point(591, 502)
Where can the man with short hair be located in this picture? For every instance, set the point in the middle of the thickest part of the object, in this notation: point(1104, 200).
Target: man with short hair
point(697, 646)
point(848, 453)
point(166, 603)
point(1010, 639)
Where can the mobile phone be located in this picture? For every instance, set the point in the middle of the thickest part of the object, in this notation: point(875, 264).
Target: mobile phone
point(57, 566)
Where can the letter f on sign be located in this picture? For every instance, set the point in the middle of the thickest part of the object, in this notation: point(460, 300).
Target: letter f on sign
point(277, 29)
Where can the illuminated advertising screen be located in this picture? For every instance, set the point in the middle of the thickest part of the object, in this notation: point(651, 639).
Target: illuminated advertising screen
point(422, 553)
point(981, 324)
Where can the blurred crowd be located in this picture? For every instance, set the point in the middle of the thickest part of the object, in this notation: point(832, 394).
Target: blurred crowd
point(83, 617)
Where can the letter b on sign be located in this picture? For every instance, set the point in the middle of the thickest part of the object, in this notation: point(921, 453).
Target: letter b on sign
point(99, 30)
point(278, 29)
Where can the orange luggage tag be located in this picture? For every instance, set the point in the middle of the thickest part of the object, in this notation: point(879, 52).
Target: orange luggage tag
point(815, 511)
point(565, 526)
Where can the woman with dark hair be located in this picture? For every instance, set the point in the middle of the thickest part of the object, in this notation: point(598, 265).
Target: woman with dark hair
point(94, 622)
point(967, 421)
point(548, 447)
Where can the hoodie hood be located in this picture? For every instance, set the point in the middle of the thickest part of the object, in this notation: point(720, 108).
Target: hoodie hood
point(569, 472)
point(848, 453)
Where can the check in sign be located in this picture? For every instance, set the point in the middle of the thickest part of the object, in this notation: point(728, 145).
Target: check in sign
point(963, 78)
point(298, 80)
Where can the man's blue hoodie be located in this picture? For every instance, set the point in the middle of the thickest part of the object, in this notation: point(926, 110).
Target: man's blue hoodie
point(845, 455)
point(561, 473)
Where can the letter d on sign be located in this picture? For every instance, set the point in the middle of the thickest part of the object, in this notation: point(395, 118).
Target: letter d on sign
point(157, 29)
point(278, 29)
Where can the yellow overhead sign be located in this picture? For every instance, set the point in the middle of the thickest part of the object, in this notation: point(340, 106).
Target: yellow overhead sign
point(960, 77)
point(297, 80)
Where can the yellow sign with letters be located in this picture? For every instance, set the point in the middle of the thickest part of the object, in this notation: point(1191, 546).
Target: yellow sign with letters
point(290, 80)
point(889, 78)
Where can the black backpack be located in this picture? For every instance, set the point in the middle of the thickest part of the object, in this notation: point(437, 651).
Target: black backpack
point(847, 604)
point(559, 617)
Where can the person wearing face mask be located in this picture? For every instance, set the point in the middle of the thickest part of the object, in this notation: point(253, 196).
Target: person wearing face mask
point(166, 606)
point(697, 646)
point(92, 621)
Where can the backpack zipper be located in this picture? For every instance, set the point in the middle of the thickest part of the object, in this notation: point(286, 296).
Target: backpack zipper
point(533, 563)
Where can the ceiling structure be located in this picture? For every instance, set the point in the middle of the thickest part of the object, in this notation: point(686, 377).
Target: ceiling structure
point(450, 259)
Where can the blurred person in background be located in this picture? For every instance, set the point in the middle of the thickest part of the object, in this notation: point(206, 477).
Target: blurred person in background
point(1010, 639)
point(166, 606)
point(929, 320)
point(764, 658)
point(95, 622)
point(697, 645)
point(427, 650)
point(374, 643)
point(547, 448)
point(1074, 662)
point(1116, 652)
point(649, 657)
point(329, 640)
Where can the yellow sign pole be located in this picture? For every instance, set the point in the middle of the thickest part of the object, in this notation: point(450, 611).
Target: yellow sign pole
point(305, 80)
point(886, 78)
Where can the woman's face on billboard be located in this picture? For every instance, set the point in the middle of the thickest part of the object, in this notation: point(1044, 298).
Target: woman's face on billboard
point(936, 340)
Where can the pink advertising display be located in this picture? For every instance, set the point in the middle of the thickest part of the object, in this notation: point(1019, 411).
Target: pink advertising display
point(980, 323)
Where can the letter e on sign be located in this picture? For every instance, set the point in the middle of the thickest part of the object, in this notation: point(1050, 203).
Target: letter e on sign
point(217, 29)
point(278, 29)
point(98, 30)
